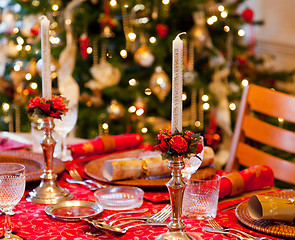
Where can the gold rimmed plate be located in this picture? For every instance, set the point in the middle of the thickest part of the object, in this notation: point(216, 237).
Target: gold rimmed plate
point(73, 210)
point(275, 228)
point(33, 162)
point(93, 170)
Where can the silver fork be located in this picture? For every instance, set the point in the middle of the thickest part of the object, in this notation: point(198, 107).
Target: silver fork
point(215, 225)
point(76, 176)
point(156, 219)
point(160, 216)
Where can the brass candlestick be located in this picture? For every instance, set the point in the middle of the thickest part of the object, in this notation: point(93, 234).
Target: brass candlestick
point(176, 187)
point(48, 192)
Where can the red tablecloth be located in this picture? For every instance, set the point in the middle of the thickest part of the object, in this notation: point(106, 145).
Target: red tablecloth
point(34, 224)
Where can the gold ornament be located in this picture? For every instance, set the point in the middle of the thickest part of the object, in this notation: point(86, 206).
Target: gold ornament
point(139, 15)
point(115, 110)
point(160, 83)
point(199, 32)
point(144, 57)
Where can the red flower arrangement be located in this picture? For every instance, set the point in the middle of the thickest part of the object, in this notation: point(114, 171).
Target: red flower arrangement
point(178, 144)
point(42, 108)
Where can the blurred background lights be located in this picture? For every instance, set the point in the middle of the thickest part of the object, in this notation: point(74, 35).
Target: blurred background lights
point(226, 28)
point(132, 82)
point(139, 112)
point(34, 85)
point(132, 36)
point(221, 8)
point(123, 53)
point(224, 14)
point(15, 30)
point(205, 98)
point(183, 96)
point(5, 106)
point(68, 21)
point(144, 130)
point(241, 32)
point(113, 3)
point(281, 120)
point(105, 126)
point(55, 7)
point(245, 82)
point(19, 47)
point(206, 106)
point(36, 3)
point(132, 109)
point(152, 40)
point(20, 40)
point(89, 50)
point(232, 106)
point(16, 68)
point(28, 76)
point(27, 48)
point(197, 123)
point(148, 91)
point(165, 2)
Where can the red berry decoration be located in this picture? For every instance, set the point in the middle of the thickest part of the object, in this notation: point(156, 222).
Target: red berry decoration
point(162, 30)
point(248, 15)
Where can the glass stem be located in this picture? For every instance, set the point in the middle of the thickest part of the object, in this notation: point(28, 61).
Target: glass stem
point(64, 146)
point(8, 226)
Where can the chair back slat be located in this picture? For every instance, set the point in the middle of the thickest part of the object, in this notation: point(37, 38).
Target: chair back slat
point(268, 134)
point(249, 156)
point(260, 100)
point(272, 103)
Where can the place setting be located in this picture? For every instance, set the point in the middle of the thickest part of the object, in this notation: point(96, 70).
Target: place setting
point(160, 120)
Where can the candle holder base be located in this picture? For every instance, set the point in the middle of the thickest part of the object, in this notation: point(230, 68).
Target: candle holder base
point(179, 235)
point(48, 192)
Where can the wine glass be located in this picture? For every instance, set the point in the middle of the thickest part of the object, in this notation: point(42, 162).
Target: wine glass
point(12, 187)
point(65, 125)
point(192, 163)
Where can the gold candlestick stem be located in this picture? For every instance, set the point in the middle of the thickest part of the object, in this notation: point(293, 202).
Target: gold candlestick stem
point(176, 187)
point(48, 192)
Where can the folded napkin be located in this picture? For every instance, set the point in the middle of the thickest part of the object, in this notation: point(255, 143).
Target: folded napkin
point(9, 144)
point(250, 179)
point(105, 144)
point(271, 208)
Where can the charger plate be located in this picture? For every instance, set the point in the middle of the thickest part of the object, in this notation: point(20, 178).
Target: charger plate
point(93, 169)
point(33, 162)
point(276, 228)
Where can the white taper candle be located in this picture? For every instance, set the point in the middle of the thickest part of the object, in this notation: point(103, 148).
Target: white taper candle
point(46, 58)
point(177, 82)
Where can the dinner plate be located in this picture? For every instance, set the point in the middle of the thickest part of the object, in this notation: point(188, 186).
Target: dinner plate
point(93, 169)
point(276, 228)
point(73, 210)
point(33, 162)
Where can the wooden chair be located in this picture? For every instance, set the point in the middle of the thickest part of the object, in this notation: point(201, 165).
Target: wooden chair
point(248, 128)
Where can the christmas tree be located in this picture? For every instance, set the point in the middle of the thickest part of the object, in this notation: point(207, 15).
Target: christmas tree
point(118, 55)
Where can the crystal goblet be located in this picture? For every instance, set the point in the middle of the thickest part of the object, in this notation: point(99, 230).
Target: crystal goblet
point(12, 187)
point(192, 163)
point(64, 126)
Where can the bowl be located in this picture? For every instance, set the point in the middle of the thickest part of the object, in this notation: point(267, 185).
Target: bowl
point(119, 198)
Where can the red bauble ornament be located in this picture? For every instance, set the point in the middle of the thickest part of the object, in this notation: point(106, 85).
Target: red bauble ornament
point(35, 29)
point(84, 44)
point(162, 30)
point(248, 15)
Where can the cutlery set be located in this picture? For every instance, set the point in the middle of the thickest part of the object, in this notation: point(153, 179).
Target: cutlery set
point(157, 219)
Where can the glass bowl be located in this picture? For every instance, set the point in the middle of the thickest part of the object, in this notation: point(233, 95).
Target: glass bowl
point(119, 198)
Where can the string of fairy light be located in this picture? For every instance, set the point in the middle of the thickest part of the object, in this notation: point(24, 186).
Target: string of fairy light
point(55, 40)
